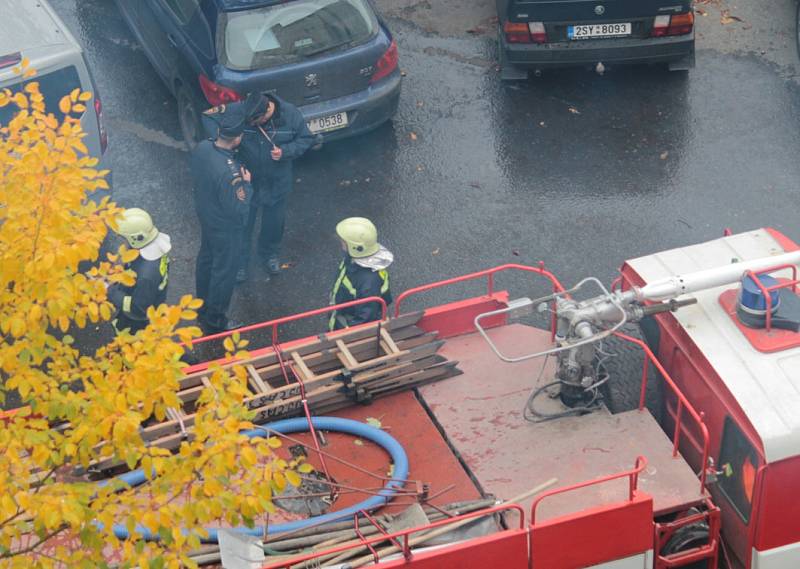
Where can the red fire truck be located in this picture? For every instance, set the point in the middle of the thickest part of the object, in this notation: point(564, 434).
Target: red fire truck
point(666, 406)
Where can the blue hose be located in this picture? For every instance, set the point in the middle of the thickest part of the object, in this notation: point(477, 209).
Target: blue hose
point(382, 438)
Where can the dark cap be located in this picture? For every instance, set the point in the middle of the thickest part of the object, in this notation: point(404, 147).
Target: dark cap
point(255, 105)
point(231, 122)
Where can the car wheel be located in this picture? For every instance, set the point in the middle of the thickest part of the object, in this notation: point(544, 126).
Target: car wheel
point(188, 117)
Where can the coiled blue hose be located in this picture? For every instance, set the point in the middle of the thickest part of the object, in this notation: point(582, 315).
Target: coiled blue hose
point(382, 438)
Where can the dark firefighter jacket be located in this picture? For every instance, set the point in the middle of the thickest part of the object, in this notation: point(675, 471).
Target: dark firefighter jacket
point(149, 290)
point(221, 195)
point(287, 129)
point(353, 282)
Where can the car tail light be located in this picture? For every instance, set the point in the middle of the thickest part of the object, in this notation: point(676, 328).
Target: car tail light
point(217, 94)
point(681, 24)
point(10, 59)
point(517, 32)
point(538, 33)
point(101, 127)
point(386, 64)
point(677, 25)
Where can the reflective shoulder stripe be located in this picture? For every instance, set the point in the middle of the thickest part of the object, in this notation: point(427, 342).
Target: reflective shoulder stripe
point(334, 292)
point(163, 268)
point(349, 286)
point(126, 303)
point(342, 280)
point(384, 274)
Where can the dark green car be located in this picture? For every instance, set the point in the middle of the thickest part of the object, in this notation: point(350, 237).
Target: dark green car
point(541, 34)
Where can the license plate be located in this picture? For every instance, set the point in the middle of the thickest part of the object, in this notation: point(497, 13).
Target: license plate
point(599, 31)
point(328, 123)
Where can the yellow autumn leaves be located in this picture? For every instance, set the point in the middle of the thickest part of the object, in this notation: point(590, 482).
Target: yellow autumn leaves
point(75, 406)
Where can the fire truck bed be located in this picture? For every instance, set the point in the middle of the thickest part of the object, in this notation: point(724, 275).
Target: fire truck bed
point(480, 413)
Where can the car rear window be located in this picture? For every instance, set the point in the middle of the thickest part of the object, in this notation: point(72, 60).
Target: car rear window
point(291, 31)
point(53, 85)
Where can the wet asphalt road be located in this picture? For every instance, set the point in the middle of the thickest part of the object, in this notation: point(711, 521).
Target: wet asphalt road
point(575, 169)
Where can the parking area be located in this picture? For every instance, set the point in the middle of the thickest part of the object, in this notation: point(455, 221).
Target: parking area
point(579, 170)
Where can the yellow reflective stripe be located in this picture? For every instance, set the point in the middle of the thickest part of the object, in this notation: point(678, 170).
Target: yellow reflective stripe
point(338, 282)
point(349, 286)
point(163, 268)
point(126, 303)
point(384, 274)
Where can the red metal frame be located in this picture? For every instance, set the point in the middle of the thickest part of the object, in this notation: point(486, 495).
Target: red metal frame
point(403, 534)
point(683, 403)
point(633, 484)
point(765, 290)
point(710, 551)
point(488, 273)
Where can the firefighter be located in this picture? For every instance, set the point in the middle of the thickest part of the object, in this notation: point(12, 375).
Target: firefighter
point(275, 135)
point(151, 268)
point(362, 273)
point(222, 195)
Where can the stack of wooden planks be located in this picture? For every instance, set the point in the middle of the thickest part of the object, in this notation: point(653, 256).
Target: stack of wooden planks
point(337, 370)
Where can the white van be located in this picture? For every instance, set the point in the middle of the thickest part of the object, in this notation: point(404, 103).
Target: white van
point(32, 29)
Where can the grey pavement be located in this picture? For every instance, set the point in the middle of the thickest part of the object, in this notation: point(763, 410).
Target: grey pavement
point(575, 169)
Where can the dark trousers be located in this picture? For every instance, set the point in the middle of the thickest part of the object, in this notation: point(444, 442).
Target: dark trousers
point(273, 223)
point(215, 275)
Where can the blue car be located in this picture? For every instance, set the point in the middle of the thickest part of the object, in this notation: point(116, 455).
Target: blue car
point(335, 59)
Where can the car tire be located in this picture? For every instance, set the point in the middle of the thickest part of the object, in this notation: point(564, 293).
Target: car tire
point(188, 117)
point(623, 389)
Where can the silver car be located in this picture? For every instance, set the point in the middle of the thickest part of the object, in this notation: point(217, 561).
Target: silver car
point(33, 30)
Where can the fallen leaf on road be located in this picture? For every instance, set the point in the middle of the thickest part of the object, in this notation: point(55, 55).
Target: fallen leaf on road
point(664, 154)
point(701, 11)
point(574, 111)
point(435, 251)
point(413, 136)
point(727, 18)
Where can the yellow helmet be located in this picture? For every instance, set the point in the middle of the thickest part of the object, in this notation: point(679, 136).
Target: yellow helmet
point(360, 236)
point(136, 226)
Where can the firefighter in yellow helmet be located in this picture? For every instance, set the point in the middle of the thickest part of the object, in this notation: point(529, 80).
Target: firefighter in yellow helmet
point(362, 273)
point(151, 268)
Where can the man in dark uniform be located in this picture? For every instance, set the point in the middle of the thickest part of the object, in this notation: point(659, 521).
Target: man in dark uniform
point(151, 268)
point(362, 273)
point(222, 195)
point(275, 136)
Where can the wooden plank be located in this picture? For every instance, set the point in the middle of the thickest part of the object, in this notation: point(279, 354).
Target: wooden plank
point(191, 394)
point(321, 342)
point(345, 356)
point(255, 380)
point(305, 373)
point(389, 340)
